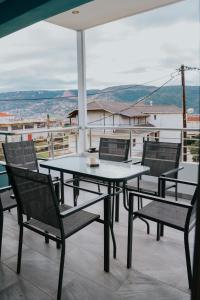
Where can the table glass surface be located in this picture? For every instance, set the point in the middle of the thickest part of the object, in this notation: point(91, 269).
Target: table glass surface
point(106, 170)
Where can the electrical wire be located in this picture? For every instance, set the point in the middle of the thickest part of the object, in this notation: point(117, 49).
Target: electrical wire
point(172, 77)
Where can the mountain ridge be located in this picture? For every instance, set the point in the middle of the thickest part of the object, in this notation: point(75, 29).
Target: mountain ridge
point(67, 99)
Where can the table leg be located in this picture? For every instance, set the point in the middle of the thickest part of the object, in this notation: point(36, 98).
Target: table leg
point(62, 187)
point(107, 204)
point(130, 232)
point(75, 190)
point(117, 206)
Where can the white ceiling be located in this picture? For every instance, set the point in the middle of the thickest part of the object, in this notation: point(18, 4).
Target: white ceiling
point(100, 12)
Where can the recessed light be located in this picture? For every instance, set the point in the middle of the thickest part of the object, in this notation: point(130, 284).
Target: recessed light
point(75, 12)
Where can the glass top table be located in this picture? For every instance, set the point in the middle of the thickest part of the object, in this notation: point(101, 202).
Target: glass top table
point(107, 171)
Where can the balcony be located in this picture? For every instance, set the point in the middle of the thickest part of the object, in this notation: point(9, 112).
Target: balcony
point(159, 269)
point(58, 142)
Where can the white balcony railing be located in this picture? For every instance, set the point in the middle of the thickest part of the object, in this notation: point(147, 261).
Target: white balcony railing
point(55, 142)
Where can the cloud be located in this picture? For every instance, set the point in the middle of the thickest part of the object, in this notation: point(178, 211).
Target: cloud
point(135, 70)
point(187, 10)
point(40, 56)
point(134, 50)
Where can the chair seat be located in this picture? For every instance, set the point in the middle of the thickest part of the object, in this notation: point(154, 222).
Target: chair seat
point(71, 224)
point(146, 186)
point(7, 200)
point(166, 214)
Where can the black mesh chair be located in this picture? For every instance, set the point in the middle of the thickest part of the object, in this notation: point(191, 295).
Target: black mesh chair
point(114, 149)
point(163, 160)
point(23, 154)
point(36, 198)
point(7, 202)
point(165, 212)
point(109, 149)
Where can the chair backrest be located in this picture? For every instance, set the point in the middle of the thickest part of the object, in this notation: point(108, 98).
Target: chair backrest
point(35, 195)
point(161, 157)
point(114, 149)
point(191, 215)
point(21, 154)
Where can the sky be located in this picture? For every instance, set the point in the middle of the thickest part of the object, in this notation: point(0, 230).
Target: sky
point(135, 50)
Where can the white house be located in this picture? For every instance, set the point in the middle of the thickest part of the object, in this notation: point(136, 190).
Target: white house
point(137, 115)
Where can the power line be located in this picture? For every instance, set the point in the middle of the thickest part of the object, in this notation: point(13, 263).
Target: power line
point(172, 77)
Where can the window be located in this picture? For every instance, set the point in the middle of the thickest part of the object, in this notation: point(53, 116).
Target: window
point(41, 125)
point(154, 117)
point(28, 126)
point(134, 142)
point(17, 127)
point(4, 128)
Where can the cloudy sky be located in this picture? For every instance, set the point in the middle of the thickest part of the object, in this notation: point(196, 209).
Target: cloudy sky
point(134, 50)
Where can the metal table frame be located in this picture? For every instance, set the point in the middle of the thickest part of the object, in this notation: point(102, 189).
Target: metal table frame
point(111, 181)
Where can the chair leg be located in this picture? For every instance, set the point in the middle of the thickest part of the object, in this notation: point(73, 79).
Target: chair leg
point(62, 262)
point(99, 188)
point(176, 192)
point(158, 232)
point(145, 221)
point(46, 238)
point(57, 190)
point(20, 249)
point(187, 256)
point(58, 245)
point(162, 230)
point(1, 230)
point(141, 202)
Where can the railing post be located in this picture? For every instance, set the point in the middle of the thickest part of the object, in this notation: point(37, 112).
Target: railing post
point(52, 146)
point(90, 137)
point(131, 141)
point(76, 142)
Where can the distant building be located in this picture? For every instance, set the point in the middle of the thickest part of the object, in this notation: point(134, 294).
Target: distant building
point(193, 121)
point(9, 122)
point(138, 115)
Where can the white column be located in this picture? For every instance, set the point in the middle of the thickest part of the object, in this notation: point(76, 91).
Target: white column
point(82, 97)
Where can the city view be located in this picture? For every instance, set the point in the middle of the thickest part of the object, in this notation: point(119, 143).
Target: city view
point(99, 98)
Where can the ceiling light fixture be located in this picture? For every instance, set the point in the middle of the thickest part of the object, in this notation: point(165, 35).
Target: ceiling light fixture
point(75, 12)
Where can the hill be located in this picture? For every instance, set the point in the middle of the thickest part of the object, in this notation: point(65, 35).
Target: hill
point(59, 102)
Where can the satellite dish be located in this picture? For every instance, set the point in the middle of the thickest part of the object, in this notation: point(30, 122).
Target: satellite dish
point(190, 110)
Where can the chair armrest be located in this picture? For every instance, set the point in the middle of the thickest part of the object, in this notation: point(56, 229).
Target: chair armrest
point(178, 180)
point(170, 172)
point(159, 199)
point(5, 188)
point(75, 209)
point(137, 162)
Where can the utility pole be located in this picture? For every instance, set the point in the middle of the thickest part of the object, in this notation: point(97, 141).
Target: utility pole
point(182, 69)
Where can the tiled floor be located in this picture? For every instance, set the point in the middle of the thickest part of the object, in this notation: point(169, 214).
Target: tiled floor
point(158, 273)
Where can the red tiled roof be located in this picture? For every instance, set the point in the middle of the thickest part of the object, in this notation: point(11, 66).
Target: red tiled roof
point(193, 118)
point(5, 114)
